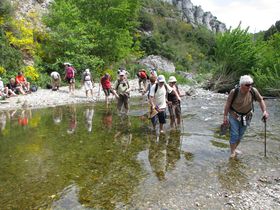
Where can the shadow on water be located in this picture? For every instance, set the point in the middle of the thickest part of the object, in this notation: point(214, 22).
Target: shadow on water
point(90, 157)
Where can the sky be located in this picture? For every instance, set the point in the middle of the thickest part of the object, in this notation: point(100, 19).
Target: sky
point(259, 15)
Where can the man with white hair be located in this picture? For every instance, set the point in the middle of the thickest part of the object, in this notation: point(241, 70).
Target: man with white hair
point(239, 108)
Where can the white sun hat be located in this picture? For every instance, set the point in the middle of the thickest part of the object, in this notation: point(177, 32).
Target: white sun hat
point(172, 79)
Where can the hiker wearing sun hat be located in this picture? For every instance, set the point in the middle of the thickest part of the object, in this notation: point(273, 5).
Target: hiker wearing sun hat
point(88, 83)
point(158, 100)
point(174, 105)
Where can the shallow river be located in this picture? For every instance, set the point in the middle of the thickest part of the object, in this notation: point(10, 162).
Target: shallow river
point(88, 157)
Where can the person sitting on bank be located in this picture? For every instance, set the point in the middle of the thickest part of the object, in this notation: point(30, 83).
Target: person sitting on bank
point(21, 81)
point(107, 88)
point(123, 89)
point(238, 110)
point(15, 88)
point(56, 79)
point(5, 91)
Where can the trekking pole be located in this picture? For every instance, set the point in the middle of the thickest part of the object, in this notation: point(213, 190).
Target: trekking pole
point(264, 120)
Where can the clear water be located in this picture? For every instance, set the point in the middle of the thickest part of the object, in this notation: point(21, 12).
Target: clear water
point(88, 157)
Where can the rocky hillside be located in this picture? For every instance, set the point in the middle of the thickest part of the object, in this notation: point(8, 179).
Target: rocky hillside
point(189, 13)
point(196, 16)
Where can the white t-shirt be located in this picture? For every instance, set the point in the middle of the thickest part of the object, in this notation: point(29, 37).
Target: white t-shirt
point(1, 85)
point(160, 95)
point(55, 75)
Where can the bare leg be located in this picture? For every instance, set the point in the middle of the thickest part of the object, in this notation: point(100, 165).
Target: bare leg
point(161, 128)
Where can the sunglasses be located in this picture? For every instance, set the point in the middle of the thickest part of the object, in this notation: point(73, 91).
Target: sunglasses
point(248, 85)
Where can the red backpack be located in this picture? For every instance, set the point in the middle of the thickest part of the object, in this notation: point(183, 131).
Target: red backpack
point(70, 72)
point(142, 74)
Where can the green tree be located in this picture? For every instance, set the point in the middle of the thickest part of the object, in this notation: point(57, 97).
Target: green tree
point(90, 33)
point(235, 53)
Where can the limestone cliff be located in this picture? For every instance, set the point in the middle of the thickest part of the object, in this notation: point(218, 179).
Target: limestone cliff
point(196, 16)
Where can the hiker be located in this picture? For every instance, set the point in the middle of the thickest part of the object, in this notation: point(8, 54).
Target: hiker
point(123, 90)
point(152, 111)
point(70, 77)
point(5, 92)
point(158, 98)
point(21, 81)
point(56, 79)
point(142, 78)
point(13, 87)
point(239, 108)
point(153, 71)
point(174, 105)
point(121, 69)
point(106, 86)
point(88, 83)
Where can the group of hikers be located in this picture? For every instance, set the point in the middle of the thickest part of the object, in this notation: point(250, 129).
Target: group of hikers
point(17, 85)
point(161, 95)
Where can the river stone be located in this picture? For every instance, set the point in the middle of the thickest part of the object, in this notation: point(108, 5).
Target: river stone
point(158, 62)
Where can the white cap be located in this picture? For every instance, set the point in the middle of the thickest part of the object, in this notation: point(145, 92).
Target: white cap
point(122, 73)
point(87, 70)
point(172, 79)
point(161, 78)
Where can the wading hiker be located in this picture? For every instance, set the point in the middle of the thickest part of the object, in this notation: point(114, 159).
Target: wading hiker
point(87, 82)
point(70, 77)
point(158, 100)
point(152, 112)
point(239, 108)
point(123, 90)
point(107, 88)
point(142, 78)
point(56, 79)
point(174, 105)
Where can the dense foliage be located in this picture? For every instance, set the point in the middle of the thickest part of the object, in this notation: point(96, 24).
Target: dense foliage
point(238, 53)
point(89, 34)
point(104, 35)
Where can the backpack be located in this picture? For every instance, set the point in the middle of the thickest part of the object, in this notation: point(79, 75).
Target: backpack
point(142, 75)
point(236, 90)
point(156, 88)
point(119, 82)
point(70, 73)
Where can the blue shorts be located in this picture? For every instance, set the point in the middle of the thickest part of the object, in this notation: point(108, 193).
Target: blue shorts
point(161, 117)
point(237, 130)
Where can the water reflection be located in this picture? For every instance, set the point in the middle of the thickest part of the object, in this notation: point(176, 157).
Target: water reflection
point(123, 133)
point(57, 115)
point(72, 115)
point(89, 115)
point(107, 119)
point(158, 156)
point(232, 175)
point(3, 121)
point(24, 117)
